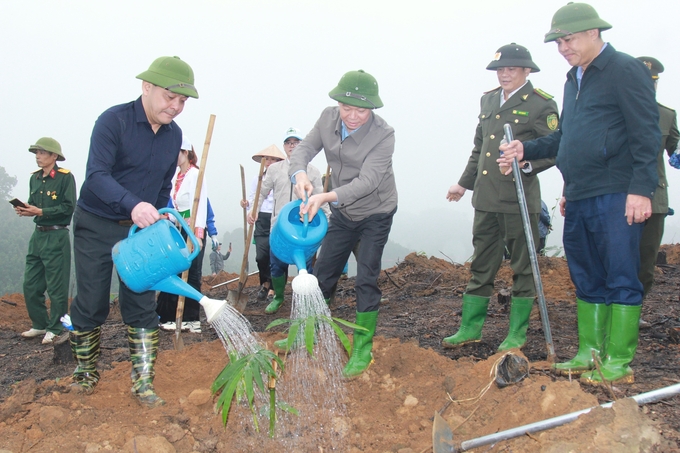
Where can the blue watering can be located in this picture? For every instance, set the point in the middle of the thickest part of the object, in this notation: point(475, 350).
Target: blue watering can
point(294, 241)
point(151, 258)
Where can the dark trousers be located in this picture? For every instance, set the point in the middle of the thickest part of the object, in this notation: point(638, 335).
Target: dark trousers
point(167, 303)
point(603, 251)
point(342, 235)
point(649, 249)
point(48, 268)
point(94, 237)
point(262, 227)
point(491, 233)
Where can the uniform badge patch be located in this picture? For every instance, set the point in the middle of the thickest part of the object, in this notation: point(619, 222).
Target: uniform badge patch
point(552, 121)
point(497, 56)
point(520, 113)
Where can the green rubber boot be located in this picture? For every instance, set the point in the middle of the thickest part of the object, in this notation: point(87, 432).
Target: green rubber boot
point(143, 352)
point(473, 317)
point(520, 309)
point(593, 327)
point(85, 348)
point(279, 285)
point(621, 347)
point(361, 356)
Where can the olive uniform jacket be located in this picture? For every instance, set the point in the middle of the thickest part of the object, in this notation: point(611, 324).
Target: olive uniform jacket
point(669, 143)
point(532, 114)
point(55, 194)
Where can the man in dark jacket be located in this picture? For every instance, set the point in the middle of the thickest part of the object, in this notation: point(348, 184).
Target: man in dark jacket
point(606, 149)
point(132, 158)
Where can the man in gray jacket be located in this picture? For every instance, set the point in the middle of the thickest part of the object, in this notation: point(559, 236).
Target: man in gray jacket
point(359, 146)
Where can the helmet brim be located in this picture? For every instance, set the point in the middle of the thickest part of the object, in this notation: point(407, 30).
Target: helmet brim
point(577, 27)
point(356, 100)
point(507, 63)
point(163, 81)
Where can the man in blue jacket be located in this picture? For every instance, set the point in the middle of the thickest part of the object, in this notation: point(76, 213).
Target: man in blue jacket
point(606, 148)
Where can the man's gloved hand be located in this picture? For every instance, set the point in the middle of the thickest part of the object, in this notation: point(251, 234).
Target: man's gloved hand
point(675, 159)
point(215, 242)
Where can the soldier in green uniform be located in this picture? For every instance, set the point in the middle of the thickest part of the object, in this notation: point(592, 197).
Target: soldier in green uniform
point(653, 231)
point(498, 223)
point(48, 263)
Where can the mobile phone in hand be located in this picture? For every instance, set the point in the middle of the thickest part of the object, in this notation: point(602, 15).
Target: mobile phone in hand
point(18, 203)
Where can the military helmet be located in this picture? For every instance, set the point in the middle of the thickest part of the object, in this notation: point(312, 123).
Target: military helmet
point(573, 18)
point(359, 89)
point(512, 55)
point(654, 65)
point(172, 74)
point(48, 144)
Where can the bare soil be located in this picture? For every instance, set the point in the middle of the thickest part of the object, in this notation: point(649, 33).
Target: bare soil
point(389, 408)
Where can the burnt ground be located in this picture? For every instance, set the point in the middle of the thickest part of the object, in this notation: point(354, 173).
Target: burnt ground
point(422, 303)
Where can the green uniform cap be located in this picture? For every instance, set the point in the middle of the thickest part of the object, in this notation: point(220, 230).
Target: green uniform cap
point(654, 65)
point(359, 89)
point(48, 144)
point(574, 18)
point(172, 74)
point(512, 55)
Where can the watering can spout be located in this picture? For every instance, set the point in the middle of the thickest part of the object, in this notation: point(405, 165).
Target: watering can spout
point(212, 307)
point(175, 285)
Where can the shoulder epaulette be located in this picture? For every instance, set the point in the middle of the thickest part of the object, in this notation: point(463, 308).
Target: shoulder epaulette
point(491, 91)
point(64, 170)
point(543, 94)
point(36, 171)
point(667, 108)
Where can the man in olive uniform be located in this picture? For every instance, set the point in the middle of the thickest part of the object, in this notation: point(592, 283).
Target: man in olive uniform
point(132, 159)
point(48, 263)
point(653, 231)
point(498, 223)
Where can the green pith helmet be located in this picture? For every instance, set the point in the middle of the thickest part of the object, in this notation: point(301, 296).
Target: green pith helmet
point(654, 65)
point(48, 144)
point(573, 18)
point(359, 89)
point(513, 55)
point(172, 74)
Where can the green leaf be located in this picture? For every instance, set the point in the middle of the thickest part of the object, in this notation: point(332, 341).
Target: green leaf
point(349, 324)
point(277, 322)
point(310, 328)
point(286, 407)
point(343, 338)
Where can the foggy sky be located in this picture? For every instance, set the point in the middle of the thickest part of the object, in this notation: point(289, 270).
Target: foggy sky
point(262, 66)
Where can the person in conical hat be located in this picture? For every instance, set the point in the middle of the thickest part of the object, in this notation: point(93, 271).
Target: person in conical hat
point(270, 154)
point(278, 182)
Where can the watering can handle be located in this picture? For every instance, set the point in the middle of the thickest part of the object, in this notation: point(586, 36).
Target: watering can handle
point(305, 220)
point(190, 234)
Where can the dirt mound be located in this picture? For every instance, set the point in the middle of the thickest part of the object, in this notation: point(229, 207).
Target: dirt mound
point(388, 408)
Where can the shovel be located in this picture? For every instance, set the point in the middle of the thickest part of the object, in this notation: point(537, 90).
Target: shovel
point(442, 436)
point(519, 187)
point(177, 340)
point(236, 298)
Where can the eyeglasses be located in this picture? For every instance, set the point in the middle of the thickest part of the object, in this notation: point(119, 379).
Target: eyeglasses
point(292, 142)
